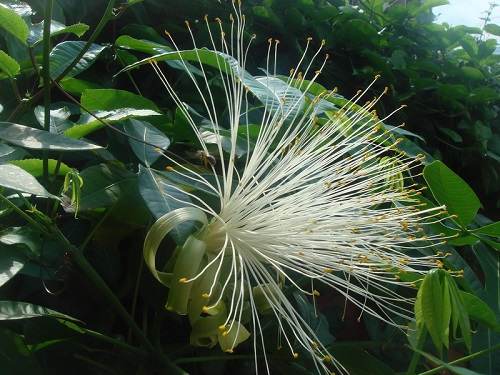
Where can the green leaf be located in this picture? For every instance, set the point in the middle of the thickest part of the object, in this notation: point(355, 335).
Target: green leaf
point(13, 23)
point(35, 167)
point(25, 136)
point(434, 302)
point(144, 131)
point(459, 315)
point(104, 185)
point(482, 95)
point(358, 361)
point(493, 29)
point(8, 64)
point(448, 92)
point(12, 260)
point(111, 106)
point(480, 311)
point(13, 310)
point(18, 179)
point(56, 28)
point(153, 188)
point(24, 236)
point(453, 192)
point(472, 73)
point(44, 331)
point(64, 53)
point(110, 99)
point(492, 229)
point(15, 356)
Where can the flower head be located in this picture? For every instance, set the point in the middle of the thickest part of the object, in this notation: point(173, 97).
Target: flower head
point(318, 192)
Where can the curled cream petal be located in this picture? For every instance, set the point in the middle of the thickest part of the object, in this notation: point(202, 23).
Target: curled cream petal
point(160, 229)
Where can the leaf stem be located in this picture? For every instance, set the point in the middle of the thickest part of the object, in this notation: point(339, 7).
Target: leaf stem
point(49, 4)
point(462, 360)
point(416, 356)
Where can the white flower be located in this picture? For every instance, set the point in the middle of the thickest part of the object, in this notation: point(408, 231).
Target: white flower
point(320, 193)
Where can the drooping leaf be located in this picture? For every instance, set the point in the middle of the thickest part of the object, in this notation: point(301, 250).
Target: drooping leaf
point(18, 179)
point(64, 53)
point(452, 191)
point(25, 136)
point(13, 310)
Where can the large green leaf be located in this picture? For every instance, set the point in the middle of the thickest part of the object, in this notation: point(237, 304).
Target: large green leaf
point(492, 229)
point(480, 311)
point(15, 356)
point(110, 105)
point(64, 53)
point(153, 188)
point(56, 28)
point(144, 131)
point(14, 310)
point(104, 185)
point(25, 136)
point(110, 99)
point(35, 166)
point(453, 192)
point(18, 179)
point(8, 65)
point(13, 23)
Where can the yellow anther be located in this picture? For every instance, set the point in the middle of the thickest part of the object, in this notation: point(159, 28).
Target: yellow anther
point(170, 169)
point(295, 355)
point(182, 280)
point(316, 293)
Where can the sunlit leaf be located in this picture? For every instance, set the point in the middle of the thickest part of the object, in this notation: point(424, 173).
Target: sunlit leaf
point(18, 179)
point(452, 191)
point(25, 136)
point(13, 23)
point(8, 65)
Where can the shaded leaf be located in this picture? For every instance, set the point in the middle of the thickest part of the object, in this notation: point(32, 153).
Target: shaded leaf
point(15, 356)
point(64, 53)
point(152, 187)
point(144, 131)
point(13, 310)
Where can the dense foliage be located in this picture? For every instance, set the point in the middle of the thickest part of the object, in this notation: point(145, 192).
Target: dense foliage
point(79, 190)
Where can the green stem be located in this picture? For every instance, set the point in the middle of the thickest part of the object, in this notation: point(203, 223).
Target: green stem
point(416, 356)
point(462, 360)
point(24, 215)
point(115, 342)
point(107, 16)
point(46, 78)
